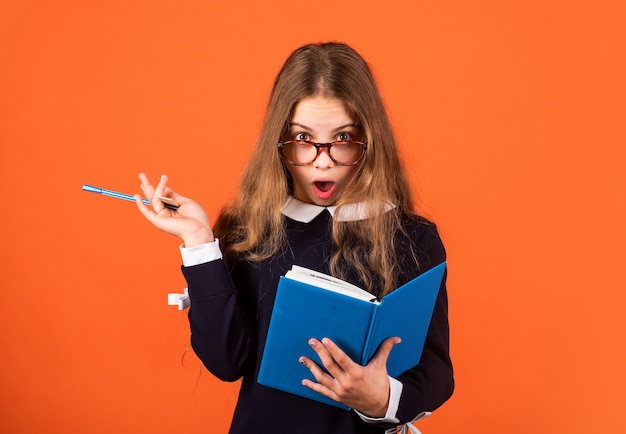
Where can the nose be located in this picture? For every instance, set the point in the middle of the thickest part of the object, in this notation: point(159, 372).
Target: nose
point(323, 160)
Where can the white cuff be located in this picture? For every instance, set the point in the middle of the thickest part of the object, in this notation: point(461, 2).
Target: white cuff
point(395, 390)
point(200, 254)
point(409, 428)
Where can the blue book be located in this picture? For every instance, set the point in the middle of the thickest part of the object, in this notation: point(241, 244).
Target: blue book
point(314, 305)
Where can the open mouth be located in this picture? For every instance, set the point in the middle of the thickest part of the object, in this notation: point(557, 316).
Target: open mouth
point(324, 189)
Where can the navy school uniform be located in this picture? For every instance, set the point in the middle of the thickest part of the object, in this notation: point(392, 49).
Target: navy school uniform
point(230, 314)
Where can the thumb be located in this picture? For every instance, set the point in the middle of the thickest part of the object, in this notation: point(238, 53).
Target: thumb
point(382, 354)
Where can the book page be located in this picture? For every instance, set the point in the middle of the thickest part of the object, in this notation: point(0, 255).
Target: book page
point(330, 283)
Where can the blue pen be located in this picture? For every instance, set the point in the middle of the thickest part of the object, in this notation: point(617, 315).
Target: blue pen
point(169, 203)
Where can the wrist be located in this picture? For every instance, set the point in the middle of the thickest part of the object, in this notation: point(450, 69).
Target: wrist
point(378, 412)
point(381, 412)
point(198, 237)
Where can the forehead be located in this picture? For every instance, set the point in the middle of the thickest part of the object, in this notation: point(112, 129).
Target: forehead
point(319, 112)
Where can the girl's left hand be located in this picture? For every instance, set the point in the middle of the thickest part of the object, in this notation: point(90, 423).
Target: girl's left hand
point(363, 388)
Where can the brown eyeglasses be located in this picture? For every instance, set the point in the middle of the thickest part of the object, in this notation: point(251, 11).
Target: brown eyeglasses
point(304, 152)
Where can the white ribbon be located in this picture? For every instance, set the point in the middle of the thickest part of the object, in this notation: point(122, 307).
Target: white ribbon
point(180, 300)
point(409, 427)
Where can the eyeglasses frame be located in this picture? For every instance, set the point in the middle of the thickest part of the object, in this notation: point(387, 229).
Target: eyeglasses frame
point(319, 147)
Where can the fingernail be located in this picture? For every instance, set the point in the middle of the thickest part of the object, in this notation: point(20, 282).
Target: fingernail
point(312, 344)
point(302, 362)
point(325, 341)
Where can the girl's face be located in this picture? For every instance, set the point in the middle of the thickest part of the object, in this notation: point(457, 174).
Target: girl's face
point(322, 120)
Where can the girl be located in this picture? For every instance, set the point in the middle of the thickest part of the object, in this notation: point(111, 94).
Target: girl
point(324, 189)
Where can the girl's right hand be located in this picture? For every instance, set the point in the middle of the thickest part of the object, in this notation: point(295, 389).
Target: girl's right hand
point(190, 222)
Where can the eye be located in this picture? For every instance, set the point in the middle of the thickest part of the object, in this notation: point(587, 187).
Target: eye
point(302, 137)
point(344, 137)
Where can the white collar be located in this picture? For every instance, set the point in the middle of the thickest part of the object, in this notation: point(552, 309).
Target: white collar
point(305, 212)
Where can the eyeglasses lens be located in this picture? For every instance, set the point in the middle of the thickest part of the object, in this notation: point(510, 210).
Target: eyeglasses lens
point(344, 153)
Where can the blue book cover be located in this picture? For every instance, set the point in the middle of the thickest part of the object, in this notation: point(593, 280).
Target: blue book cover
point(357, 323)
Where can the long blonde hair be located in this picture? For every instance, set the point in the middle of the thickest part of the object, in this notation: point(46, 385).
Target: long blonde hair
point(252, 227)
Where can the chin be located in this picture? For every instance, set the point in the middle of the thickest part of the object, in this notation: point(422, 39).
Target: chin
point(325, 202)
point(315, 200)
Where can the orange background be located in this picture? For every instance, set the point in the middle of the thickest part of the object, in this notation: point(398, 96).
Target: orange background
point(511, 120)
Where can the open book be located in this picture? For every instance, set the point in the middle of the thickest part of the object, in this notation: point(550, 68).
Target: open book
point(311, 304)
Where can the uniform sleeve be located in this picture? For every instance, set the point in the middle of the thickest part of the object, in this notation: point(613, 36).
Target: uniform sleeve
point(200, 254)
point(222, 334)
point(429, 384)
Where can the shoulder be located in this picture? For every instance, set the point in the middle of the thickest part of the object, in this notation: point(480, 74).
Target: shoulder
point(422, 236)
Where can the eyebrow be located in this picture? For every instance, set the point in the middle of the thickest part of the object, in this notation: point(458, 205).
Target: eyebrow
point(351, 125)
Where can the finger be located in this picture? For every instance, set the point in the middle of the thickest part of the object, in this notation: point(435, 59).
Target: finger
point(145, 210)
point(382, 354)
point(159, 191)
point(320, 375)
point(326, 357)
point(339, 356)
point(321, 389)
point(160, 188)
point(324, 383)
point(147, 188)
